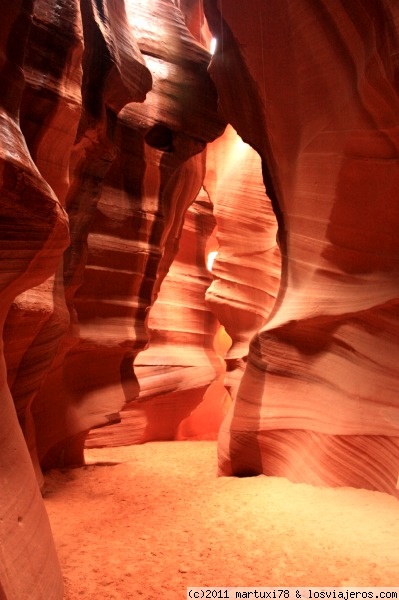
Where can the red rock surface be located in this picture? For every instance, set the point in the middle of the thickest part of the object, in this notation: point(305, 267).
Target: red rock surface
point(318, 401)
point(125, 176)
point(180, 362)
point(33, 235)
point(49, 115)
point(130, 176)
point(247, 267)
point(105, 112)
point(113, 73)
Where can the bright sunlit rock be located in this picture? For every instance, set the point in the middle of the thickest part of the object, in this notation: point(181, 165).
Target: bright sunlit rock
point(211, 259)
point(213, 45)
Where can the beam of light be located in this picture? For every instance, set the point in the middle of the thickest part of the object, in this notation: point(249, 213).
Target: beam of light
point(211, 259)
point(213, 45)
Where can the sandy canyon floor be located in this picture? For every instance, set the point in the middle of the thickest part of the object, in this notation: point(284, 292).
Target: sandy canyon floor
point(147, 521)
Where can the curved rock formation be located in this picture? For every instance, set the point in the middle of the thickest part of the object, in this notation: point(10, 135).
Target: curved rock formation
point(106, 108)
point(247, 266)
point(113, 73)
point(49, 115)
point(126, 176)
point(180, 362)
point(134, 174)
point(318, 400)
point(33, 235)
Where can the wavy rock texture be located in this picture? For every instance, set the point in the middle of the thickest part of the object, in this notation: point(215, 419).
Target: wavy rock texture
point(49, 116)
point(113, 73)
point(319, 398)
point(33, 235)
point(247, 266)
point(180, 362)
point(51, 113)
point(134, 174)
point(105, 111)
point(126, 173)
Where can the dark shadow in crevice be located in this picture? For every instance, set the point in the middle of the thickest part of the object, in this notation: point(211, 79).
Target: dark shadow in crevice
point(160, 137)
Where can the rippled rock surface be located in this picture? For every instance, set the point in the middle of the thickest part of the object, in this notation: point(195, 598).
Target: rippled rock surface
point(315, 91)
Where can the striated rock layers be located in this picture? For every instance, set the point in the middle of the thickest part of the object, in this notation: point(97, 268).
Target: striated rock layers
point(313, 87)
point(107, 192)
point(116, 111)
point(33, 235)
point(136, 217)
point(180, 362)
point(105, 111)
point(247, 267)
point(49, 113)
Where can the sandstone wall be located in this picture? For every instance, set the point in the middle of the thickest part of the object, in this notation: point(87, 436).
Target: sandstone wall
point(313, 87)
point(112, 185)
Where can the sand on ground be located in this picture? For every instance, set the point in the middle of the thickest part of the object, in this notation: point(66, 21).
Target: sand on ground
point(147, 521)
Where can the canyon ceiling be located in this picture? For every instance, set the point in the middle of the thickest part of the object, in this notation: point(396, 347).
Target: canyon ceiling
point(121, 168)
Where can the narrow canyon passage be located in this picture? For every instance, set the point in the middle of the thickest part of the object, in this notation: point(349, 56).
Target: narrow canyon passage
point(150, 520)
point(135, 137)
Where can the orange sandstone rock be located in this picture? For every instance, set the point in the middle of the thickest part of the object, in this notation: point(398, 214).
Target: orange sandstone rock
point(33, 235)
point(314, 89)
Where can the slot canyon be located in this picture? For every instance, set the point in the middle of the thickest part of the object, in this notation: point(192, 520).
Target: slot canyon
point(199, 296)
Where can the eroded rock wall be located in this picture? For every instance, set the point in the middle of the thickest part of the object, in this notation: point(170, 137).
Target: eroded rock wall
point(313, 87)
point(247, 266)
point(33, 235)
point(116, 110)
point(143, 187)
point(106, 109)
point(179, 363)
point(49, 115)
point(105, 112)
